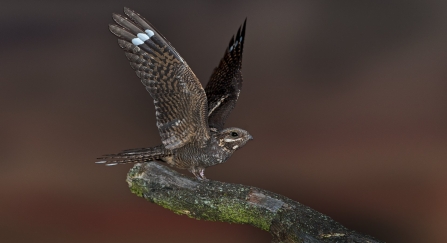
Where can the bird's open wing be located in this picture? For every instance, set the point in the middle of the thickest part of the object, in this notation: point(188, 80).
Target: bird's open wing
point(225, 83)
point(180, 101)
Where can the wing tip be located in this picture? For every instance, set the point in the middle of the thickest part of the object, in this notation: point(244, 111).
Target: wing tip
point(239, 39)
point(113, 28)
point(118, 18)
point(128, 10)
point(243, 28)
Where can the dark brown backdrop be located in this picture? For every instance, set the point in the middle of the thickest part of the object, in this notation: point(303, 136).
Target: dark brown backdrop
point(346, 100)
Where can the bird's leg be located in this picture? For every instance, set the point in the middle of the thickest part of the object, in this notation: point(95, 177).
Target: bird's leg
point(198, 172)
point(202, 173)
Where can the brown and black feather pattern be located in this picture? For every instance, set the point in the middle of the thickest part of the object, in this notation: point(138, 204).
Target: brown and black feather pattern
point(183, 108)
point(136, 156)
point(225, 84)
point(179, 99)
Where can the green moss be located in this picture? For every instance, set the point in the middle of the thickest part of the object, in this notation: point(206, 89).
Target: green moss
point(173, 206)
point(217, 201)
point(137, 187)
point(239, 212)
point(235, 211)
point(199, 205)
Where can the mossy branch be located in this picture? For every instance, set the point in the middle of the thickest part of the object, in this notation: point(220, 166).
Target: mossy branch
point(285, 219)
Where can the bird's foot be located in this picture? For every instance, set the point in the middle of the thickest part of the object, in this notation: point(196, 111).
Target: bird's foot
point(199, 173)
point(202, 174)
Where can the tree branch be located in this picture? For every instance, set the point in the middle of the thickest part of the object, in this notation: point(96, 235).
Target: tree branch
point(285, 219)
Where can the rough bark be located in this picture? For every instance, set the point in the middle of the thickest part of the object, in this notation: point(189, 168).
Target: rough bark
point(285, 219)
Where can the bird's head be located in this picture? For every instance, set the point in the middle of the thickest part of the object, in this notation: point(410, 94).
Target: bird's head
point(233, 138)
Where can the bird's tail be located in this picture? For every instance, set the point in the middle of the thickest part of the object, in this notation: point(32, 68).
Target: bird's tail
point(135, 156)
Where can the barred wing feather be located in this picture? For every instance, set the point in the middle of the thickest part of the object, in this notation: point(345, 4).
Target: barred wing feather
point(226, 82)
point(180, 101)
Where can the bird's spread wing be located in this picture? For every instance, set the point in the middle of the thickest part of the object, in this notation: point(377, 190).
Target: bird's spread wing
point(225, 83)
point(180, 101)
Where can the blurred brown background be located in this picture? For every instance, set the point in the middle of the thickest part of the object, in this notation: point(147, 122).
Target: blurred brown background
point(346, 100)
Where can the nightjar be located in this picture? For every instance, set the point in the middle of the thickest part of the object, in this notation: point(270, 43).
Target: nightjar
point(190, 119)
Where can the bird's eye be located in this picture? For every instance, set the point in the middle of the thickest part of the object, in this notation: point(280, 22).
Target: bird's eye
point(234, 134)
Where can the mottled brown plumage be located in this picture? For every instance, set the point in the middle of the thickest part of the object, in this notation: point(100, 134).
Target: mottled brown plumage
point(225, 83)
point(190, 121)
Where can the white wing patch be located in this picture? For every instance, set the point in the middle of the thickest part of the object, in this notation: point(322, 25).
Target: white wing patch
point(142, 37)
point(137, 41)
point(149, 32)
point(235, 44)
point(218, 104)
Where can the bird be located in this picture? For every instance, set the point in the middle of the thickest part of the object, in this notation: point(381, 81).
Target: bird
point(190, 119)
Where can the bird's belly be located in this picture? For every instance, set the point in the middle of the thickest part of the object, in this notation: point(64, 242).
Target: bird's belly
point(197, 158)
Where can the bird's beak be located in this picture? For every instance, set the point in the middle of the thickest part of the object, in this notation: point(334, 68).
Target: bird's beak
point(250, 137)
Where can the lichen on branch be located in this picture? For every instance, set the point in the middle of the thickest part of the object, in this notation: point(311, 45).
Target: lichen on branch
point(285, 219)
